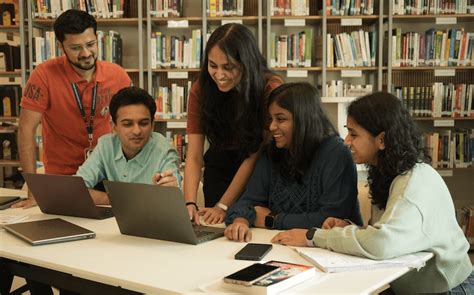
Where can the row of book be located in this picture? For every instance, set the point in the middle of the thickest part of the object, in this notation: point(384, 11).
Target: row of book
point(180, 143)
point(349, 7)
point(451, 148)
point(176, 52)
point(10, 96)
point(293, 50)
point(97, 8)
point(9, 13)
point(453, 47)
point(289, 7)
point(224, 8)
point(171, 102)
point(438, 100)
point(355, 49)
point(166, 8)
point(417, 7)
point(465, 217)
point(340, 89)
point(109, 47)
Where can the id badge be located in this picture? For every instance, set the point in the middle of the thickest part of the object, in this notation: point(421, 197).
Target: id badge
point(87, 152)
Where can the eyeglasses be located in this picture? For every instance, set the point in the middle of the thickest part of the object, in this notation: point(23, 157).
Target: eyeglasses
point(78, 48)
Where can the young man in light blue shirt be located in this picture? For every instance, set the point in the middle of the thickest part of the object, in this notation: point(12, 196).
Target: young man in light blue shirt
point(133, 153)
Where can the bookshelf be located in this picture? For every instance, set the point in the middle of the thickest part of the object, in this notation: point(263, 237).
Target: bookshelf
point(12, 78)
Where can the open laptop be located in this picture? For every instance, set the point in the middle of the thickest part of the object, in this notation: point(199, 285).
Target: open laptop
point(64, 195)
point(48, 231)
point(157, 212)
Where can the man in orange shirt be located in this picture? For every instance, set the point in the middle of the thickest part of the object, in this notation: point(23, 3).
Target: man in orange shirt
point(70, 96)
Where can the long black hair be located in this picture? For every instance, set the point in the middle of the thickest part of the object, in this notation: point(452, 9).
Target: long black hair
point(235, 119)
point(383, 112)
point(311, 127)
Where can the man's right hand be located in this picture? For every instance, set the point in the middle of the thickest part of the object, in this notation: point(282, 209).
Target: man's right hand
point(25, 204)
point(239, 230)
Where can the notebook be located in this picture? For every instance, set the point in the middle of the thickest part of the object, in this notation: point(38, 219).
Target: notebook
point(48, 231)
point(156, 212)
point(329, 261)
point(64, 195)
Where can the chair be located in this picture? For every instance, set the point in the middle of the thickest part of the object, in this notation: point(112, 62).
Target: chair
point(364, 201)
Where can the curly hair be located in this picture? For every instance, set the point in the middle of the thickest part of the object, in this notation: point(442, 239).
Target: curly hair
point(311, 127)
point(383, 112)
point(235, 119)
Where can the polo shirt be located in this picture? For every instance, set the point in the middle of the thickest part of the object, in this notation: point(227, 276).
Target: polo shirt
point(107, 161)
point(49, 92)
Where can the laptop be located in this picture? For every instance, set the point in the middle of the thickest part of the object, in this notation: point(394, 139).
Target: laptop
point(48, 231)
point(64, 195)
point(156, 212)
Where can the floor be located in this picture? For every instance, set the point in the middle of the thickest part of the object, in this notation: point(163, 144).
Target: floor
point(18, 282)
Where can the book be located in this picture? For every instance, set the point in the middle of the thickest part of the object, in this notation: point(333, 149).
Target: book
point(329, 261)
point(290, 274)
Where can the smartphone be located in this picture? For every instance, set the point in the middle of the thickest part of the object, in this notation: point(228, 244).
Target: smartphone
point(253, 251)
point(6, 202)
point(251, 274)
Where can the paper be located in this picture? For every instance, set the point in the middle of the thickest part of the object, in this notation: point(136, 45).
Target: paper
point(329, 261)
point(6, 218)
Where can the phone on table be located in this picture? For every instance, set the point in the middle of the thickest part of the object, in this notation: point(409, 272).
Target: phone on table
point(6, 202)
point(253, 251)
point(251, 274)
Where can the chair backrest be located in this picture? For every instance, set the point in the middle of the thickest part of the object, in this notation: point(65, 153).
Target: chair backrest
point(364, 201)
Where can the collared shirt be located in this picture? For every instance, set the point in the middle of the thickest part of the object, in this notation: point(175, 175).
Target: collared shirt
point(107, 161)
point(49, 92)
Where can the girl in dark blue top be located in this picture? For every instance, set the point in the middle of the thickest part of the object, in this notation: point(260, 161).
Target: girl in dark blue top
point(304, 176)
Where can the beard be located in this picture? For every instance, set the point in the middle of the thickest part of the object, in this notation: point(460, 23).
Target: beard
point(84, 67)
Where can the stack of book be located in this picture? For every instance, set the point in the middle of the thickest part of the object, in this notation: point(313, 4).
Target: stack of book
point(355, 49)
point(171, 102)
point(289, 7)
point(97, 8)
point(224, 8)
point(412, 7)
point(166, 8)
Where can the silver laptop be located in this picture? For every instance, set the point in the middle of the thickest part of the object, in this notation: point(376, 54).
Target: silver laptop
point(48, 231)
point(64, 195)
point(156, 212)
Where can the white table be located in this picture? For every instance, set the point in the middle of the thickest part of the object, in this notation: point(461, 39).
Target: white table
point(154, 266)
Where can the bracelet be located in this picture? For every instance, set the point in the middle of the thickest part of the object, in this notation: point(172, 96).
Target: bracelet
point(222, 206)
point(192, 203)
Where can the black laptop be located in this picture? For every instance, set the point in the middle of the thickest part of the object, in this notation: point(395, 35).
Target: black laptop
point(64, 195)
point(156, 212)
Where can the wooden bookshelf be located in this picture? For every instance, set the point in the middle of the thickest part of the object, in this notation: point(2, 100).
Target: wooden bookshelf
point(9, 163)
point(132, 21)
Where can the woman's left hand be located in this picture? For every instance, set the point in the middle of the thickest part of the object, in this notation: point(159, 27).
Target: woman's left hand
point(212, 215)
point(292, 237)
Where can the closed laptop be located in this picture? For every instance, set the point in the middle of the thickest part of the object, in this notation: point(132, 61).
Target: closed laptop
point(64, 195)
point(48, 231)
point(156, 212)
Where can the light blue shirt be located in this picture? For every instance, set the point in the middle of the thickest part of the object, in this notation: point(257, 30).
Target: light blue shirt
point(107, 161)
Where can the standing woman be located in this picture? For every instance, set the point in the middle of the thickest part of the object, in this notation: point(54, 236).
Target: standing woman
point(412, 209)
point(227, 105)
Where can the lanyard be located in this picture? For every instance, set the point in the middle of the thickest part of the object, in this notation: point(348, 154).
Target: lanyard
point(90, 123)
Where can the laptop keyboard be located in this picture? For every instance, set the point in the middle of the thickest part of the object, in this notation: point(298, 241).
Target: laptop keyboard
point(202, 233)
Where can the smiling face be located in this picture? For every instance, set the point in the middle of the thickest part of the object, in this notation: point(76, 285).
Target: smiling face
point(364, 147)
point(281, 126)
point(226, 74)
point(81, 49)
point(133, 127)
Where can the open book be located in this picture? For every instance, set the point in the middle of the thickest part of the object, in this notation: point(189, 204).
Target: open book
point(329, 261)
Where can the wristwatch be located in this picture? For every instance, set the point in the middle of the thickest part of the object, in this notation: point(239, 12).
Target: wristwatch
point(310, 235)
point(222, 206)
point(270, 220)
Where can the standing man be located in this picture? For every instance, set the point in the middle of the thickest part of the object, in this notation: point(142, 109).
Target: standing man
point(70, 96)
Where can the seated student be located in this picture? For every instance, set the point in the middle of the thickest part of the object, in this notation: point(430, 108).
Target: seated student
point(304, 176)
point(412, 209)
point(133, 153)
